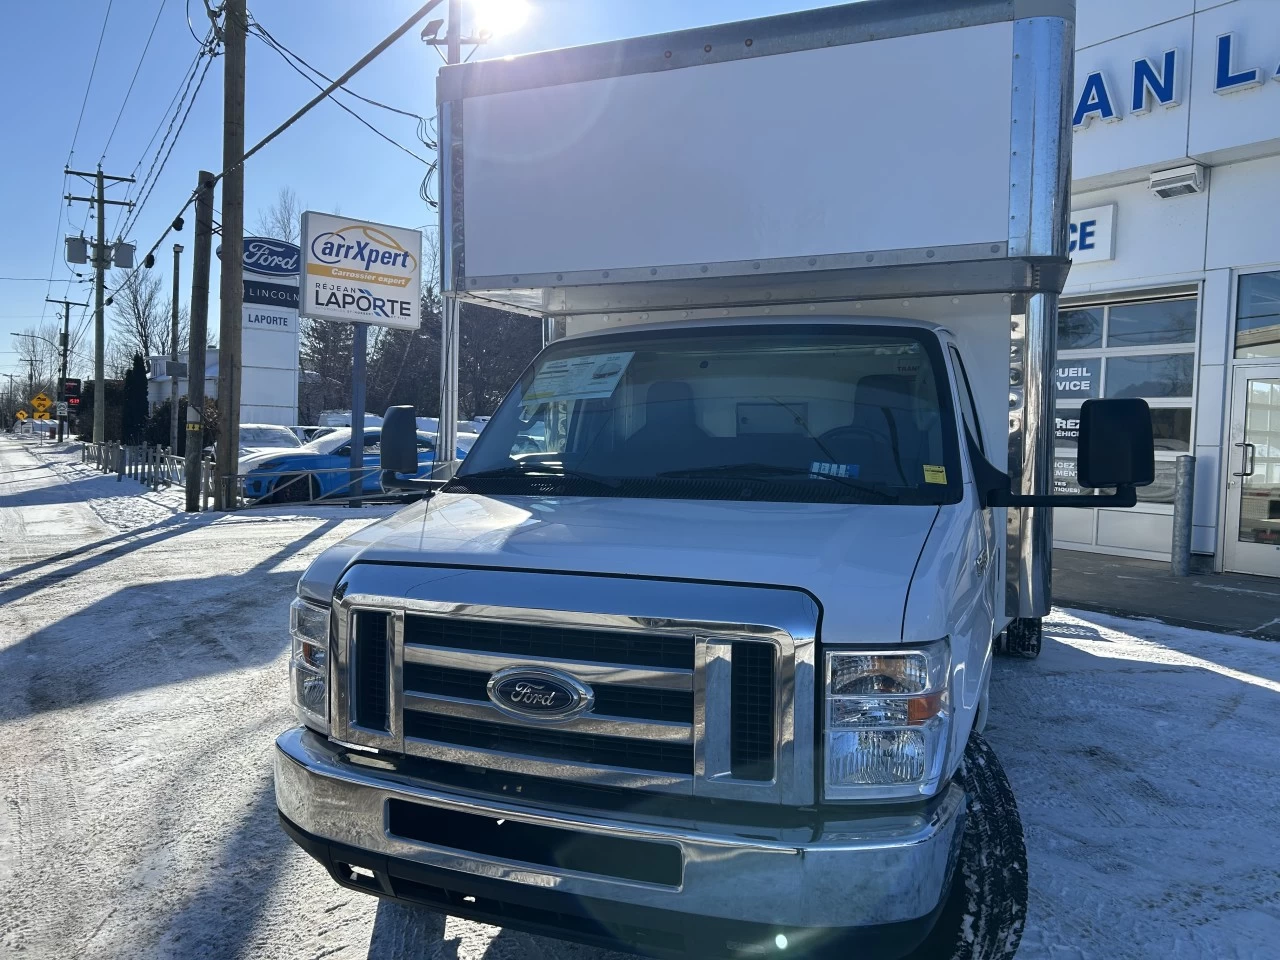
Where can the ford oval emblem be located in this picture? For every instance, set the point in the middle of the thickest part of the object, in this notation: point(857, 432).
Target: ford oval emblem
point(271, 258)
point(534, 693)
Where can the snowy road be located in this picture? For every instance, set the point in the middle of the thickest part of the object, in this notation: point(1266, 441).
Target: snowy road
point(142, 681)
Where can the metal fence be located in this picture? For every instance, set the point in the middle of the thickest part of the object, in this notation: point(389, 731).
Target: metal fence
point(154, 467)
point(327, 485)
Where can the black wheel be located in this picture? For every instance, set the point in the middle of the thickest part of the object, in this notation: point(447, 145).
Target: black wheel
point(297, 488)
point(1022, 638)
point(986, 907)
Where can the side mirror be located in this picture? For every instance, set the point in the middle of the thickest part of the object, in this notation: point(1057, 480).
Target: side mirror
point(1116, 447)
point(399, 452)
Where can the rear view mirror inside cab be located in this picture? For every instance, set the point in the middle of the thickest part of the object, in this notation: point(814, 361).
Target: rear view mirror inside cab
point(1116, 444)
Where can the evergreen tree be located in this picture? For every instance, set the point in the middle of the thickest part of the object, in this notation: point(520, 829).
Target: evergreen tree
point(134, 413)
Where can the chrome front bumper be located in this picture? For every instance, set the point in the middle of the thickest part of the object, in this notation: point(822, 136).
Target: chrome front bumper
point(870, 871)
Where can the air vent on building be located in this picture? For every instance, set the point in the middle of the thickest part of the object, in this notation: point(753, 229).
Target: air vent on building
point(1178, 182)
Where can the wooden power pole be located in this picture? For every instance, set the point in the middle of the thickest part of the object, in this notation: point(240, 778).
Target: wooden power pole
point(101, 260)
point(199, 337)
point(232, 289)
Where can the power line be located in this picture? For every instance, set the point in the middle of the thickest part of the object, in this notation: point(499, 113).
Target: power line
point(351, 71)
point(145, 47)
point(266, 35)
point(315, 83)
point(137, 209)
point(89, 86)
point(179, 91)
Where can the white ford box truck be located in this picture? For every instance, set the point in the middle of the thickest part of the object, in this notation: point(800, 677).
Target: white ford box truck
point(691, 655)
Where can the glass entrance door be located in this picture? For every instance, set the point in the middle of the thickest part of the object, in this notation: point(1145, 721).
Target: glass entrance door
point(1253, 467)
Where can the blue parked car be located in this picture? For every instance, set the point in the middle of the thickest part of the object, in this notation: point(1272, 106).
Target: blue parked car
point(268, 474)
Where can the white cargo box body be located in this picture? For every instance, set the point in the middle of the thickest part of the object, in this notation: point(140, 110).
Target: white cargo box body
point(844, 159)
point(808, 151)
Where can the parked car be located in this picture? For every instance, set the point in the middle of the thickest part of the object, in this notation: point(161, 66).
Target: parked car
point(317, 470)
point(256, 438)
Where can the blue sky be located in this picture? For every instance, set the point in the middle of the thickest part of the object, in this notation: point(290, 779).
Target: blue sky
point(328, 158)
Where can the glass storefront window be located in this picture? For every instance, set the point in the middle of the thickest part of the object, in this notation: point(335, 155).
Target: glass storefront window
point(1066, 428)
point(1161, 491)
point(1079, 378)
point(1158, 321)
point(1140, 348)
point(1078, 329)
point(1172, 428)
point(1258, 316)
point(1151, 376)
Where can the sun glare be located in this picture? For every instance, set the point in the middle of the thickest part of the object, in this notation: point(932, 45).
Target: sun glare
point(499, 17)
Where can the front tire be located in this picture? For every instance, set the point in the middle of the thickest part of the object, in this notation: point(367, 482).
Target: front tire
point(1022, 638)
point(296, 488)
point(986, 907)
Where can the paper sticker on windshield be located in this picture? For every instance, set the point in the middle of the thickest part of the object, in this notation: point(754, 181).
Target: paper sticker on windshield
point(934, 474)
point(578, 378)
point(819, 469)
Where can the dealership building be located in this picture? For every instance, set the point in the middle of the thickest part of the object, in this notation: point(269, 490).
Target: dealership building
point(1174, 291)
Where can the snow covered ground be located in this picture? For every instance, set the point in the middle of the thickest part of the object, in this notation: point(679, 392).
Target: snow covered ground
point(142, 682)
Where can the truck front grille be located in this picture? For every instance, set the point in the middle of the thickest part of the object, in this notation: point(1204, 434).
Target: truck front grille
point(371, 671)
point(552, 744)
point(557, 643)
point(662, 707)
point(751, 715)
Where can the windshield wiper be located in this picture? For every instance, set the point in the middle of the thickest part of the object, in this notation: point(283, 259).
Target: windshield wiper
point(524, 469)
point(769, 471)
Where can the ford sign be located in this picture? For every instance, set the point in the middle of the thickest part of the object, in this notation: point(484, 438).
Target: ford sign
point(271, 258)
point(529, 693)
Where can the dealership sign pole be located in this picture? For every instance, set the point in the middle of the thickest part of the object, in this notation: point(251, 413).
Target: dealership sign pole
point(361, 273)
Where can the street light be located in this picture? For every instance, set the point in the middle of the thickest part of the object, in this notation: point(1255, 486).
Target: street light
point(35, 337)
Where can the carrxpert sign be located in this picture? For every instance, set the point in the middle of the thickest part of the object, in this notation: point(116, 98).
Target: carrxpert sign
point(360, 272)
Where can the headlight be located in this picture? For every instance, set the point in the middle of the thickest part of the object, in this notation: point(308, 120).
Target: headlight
point(887, 713)
point(309, 663)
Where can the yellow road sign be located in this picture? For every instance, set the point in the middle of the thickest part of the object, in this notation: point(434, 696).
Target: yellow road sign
point(41, 402)
point(41, 415)
point(22, 414)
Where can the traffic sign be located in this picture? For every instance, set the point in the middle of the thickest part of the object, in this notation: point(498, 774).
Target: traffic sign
point(22, 414)
point(41, 415)
point(41, 402)
point(62, 408)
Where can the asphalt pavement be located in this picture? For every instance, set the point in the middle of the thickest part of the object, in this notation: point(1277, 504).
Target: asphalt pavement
point(1221, 602)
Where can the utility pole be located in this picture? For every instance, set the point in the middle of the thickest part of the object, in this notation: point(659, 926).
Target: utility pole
point(173, 356)
point(199, 338)
point(232, 290)
point(62, 380)
point(447, 432)
point(101, 261)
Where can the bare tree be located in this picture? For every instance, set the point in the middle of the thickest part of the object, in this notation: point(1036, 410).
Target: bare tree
point(283, 219)
point(41, 359)
point(139, 316)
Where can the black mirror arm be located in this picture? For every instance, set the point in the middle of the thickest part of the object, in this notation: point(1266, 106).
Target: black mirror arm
point(994, 489)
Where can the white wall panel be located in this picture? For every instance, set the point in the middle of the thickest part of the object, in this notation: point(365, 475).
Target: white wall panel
point(1222, 123)
point(1154, 238)
point(1100, 20)
point(1155, 138)
point(1131, 530)
point(1244, 212)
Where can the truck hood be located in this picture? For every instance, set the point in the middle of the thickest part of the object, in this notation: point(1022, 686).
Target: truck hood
point(856, 559)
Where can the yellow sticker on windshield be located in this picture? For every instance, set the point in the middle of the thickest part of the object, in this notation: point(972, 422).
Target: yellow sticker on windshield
point(934, 474)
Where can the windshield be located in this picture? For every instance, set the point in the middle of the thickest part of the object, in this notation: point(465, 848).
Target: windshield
point(254, 435)
point(831, 413)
